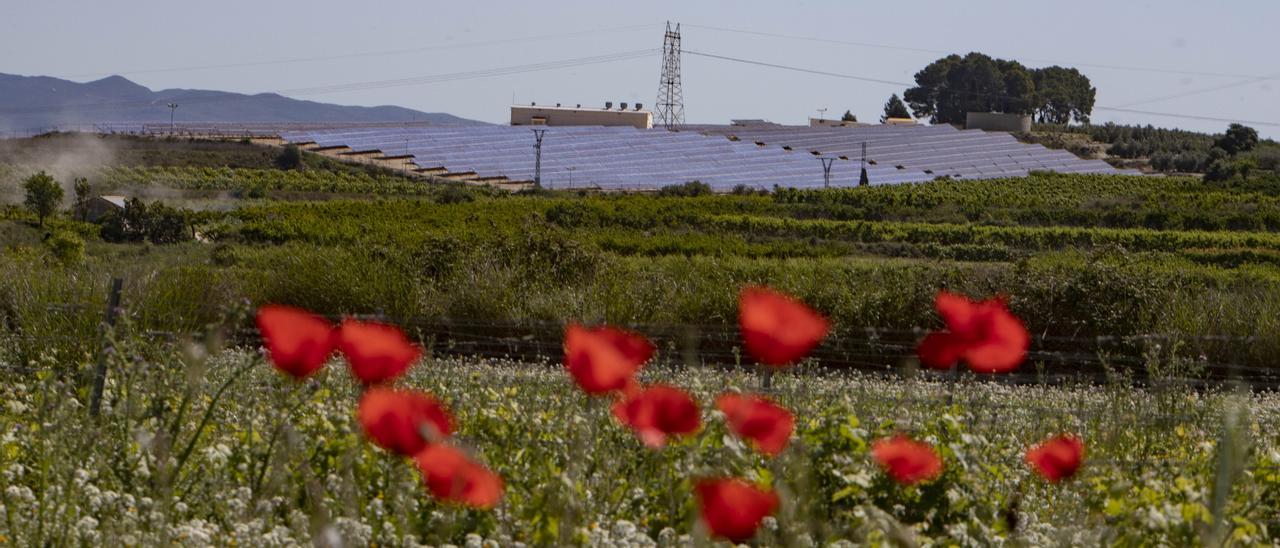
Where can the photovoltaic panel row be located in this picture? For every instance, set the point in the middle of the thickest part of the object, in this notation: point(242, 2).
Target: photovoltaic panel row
point(628, 158)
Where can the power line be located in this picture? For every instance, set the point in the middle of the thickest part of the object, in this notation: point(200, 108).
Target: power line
point(798, 69)
point(354, 86)
point(974, 94)
point(1189, 116)
point(946, 52)
point(357, 55)
point(1202, 91)
point(467, 75)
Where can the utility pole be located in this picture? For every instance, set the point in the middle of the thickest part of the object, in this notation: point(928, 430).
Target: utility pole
point(862, 177)
point(670, 104)
point(822, 113)
point(826, 170)
point(537, 158)
point(571, 170)
point(172, 108)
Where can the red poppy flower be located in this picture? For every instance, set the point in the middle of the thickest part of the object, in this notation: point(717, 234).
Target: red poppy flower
point(777, 329)
point(604, 359)
point(1057, 458)
point(401, 421)
point(377, 352)
point(756, 418)
point(733, 508)
point(984, 334)
point(907, 461)
point(298, 341)
point(451, 476)
point(658, 412)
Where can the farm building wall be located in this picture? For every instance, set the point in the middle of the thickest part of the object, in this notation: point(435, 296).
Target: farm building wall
point(997, 121)
point(569, 116)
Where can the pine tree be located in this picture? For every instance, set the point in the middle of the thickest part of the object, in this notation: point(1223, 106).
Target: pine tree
point(894, 108)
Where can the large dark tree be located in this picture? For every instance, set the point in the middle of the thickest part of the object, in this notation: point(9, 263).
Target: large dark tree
point(1237, 139)
point(950, 88)
point(894, 108)
point(954, 86)
point(1064, 95)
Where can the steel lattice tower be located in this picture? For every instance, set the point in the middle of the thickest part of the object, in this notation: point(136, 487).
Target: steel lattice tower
point(670, 109)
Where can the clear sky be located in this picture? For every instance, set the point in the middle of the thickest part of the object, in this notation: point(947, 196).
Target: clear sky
point(1215, 57)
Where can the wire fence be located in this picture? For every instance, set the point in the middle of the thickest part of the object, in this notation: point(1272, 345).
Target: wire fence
point(1149, 360)
point(1078, 376)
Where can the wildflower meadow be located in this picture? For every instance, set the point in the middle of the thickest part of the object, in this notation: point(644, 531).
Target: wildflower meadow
point(348, 432)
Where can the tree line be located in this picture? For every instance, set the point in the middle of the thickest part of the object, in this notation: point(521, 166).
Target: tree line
point(137, 221)
point(948, 89)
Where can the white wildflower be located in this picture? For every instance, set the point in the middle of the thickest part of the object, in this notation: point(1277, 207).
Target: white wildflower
point(217, 455)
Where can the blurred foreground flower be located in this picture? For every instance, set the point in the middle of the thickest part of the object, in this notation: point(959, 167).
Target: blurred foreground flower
point(377, 352)
point(984, 334)
point(732, 508)
point(907, 461)
point(604, 359)
point(401, 421)
point(451, 476)
point(1057, 458)
point(299, 342)
point(777, 329)
point(658, 412)
point(756, 418)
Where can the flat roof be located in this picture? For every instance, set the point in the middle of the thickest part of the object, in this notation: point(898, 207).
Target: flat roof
point(579, 109)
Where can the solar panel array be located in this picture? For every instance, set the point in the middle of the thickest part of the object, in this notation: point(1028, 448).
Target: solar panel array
point(940, 150)
point(626, 158)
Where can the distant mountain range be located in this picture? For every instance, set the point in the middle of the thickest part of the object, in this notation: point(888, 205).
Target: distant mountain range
point(37, 102)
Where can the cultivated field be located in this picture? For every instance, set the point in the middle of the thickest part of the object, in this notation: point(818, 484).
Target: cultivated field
point(1153, 307)
point(282, 463)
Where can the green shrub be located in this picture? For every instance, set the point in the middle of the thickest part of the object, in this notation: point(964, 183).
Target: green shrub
point(67, 247)
point(157, 223)
point(290, 158)
point(454, 194)
point(685, 190)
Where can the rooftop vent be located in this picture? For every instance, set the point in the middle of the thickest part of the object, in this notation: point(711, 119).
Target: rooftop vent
point(639, 106)
point(622, 106)
point(557, 105)
point(608, 105)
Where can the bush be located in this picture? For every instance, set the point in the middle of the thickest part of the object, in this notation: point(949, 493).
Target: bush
point(689, 189)
point(290, 158)
point(67, 247)
point(157, 223)
point(454, 194)
point(1268, 158)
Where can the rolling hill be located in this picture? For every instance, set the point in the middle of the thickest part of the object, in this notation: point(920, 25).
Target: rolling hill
point(38, 102)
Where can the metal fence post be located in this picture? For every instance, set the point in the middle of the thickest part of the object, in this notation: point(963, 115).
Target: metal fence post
point(100, 374)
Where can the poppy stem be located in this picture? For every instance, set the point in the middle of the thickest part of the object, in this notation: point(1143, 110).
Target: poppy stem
point(766, 379)
point(271, 443)
point(208, 413)
point(951, 383)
